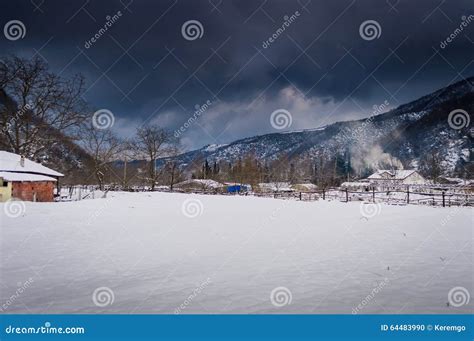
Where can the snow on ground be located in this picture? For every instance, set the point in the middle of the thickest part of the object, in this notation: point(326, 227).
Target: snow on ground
point(168, 253)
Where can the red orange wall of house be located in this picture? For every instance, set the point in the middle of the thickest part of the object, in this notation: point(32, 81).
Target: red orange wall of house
point(30, 191)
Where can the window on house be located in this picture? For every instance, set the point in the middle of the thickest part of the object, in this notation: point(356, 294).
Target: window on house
point(4, 183)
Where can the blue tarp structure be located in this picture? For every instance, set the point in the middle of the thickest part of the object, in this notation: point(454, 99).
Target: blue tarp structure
point(236, 188)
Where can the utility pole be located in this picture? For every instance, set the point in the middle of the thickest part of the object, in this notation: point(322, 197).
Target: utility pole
point(124, 172)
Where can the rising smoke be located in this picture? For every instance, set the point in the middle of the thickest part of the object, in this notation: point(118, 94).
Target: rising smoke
point(371, 158)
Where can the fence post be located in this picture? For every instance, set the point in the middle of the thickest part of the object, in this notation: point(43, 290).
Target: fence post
point(300, 196)
point(347, 196)
point(373, 194)
point(444, 205)
point(408, 194)
point(324, 194)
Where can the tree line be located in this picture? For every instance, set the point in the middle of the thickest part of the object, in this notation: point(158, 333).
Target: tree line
point(324, 169)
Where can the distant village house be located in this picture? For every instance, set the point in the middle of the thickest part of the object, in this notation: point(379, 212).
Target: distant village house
point(397, 177)
point(387, 179)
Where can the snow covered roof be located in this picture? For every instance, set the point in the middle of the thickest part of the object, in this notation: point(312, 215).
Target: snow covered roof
point(11, 176)
point(355, 184)
point(275, 186)
point(459, 181)
point(308, 186)
point(202, 182)
point(10, 162)
point(394, 174)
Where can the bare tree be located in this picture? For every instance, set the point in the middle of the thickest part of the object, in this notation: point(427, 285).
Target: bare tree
point(172, 172)
point(37, 107)
point(104, 148)
point(151, 143)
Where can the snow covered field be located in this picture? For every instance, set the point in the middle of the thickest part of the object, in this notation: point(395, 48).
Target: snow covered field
point(179, 253)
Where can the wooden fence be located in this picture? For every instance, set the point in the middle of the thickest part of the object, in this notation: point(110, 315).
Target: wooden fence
point(394, 197)
point(428, 196)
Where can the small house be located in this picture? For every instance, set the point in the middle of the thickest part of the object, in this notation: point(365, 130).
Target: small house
point(26, 180)
point(394, 178)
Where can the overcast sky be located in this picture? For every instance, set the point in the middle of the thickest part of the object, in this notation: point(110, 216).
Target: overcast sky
point(322, 68)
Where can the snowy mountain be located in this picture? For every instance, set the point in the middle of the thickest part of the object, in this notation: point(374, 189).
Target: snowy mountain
point(404, 136)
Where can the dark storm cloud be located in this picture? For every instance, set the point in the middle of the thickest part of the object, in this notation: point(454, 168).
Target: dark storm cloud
point(319, 68)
